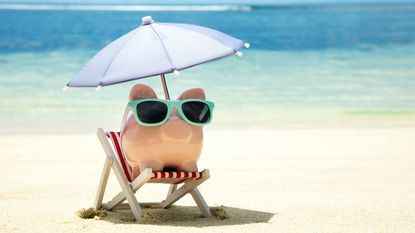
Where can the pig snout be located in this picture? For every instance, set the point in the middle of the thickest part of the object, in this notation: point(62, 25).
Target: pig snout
point(176, 130)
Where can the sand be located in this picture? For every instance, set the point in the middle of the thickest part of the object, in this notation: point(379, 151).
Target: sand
point(287, 180)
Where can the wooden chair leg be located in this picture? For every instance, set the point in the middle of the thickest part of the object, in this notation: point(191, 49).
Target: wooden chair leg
point(172, 188)
point(128, 192)
point(183, 190)
point(201, 203)
point(135, 185)
point(103, 183)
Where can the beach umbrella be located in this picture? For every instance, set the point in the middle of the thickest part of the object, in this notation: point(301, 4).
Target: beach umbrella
point(155, 49)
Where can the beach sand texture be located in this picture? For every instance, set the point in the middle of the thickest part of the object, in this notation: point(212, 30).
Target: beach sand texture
point(288, 180)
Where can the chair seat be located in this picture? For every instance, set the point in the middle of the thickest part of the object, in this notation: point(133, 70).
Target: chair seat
point(169, 177)
point(174, 177)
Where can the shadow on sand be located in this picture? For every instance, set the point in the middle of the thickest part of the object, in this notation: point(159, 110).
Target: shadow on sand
point(188, 216)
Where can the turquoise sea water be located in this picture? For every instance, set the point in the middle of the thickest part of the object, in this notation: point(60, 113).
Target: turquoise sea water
point(308, 66)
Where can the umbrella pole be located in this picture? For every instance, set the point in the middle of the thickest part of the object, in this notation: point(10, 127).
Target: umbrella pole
point(166, 91)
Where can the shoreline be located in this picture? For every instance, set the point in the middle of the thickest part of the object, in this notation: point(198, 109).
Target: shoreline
point(208, 129)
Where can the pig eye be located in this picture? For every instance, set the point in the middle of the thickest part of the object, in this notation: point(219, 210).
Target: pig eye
point(195, 111)
point(151, 112)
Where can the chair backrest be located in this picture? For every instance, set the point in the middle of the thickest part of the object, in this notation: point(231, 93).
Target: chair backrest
point(116, 143)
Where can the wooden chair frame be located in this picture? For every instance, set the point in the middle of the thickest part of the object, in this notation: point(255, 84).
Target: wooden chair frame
point(128, 189)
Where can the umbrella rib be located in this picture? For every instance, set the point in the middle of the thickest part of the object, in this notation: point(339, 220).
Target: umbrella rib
point(116, 54)
point(164, 47)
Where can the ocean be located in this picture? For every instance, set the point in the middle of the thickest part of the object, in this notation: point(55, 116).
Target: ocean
point(309, 66)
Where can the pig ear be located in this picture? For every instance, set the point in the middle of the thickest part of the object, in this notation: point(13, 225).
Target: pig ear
point(141, 91)
point(194, 93)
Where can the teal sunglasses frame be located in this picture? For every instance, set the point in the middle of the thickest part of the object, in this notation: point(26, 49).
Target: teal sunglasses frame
point(170, 104)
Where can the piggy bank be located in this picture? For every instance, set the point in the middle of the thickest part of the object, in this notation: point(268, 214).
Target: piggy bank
point(174, 144)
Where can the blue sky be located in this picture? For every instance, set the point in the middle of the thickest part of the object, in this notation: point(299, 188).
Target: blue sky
point(204, 1)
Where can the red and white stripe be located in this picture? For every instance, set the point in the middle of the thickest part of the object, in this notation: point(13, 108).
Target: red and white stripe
point(158, 177)
point(174, 177)
point(115, 138)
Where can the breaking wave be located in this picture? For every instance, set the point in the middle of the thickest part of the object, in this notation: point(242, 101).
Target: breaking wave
point(124, 7)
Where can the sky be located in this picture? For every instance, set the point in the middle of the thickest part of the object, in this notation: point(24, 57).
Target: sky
point(203, 1)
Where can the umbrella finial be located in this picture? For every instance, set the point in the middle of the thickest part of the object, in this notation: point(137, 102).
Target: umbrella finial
point(98, 88)
point(146, 20)
point(65, 88)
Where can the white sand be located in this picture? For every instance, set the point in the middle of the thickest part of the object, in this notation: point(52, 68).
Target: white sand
point(314, 180)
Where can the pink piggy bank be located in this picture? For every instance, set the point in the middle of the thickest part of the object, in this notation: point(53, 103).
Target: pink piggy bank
point(174, 144)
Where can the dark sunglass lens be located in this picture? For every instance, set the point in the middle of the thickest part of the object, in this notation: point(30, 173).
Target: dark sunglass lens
point(151, 112)
point(197, 112)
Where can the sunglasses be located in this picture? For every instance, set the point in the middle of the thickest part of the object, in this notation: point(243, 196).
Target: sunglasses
point(155, 112)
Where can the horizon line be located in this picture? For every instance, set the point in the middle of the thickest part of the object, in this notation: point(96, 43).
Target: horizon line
point(172, 7)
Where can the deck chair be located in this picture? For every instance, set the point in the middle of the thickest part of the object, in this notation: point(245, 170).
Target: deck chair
point(115, 159)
